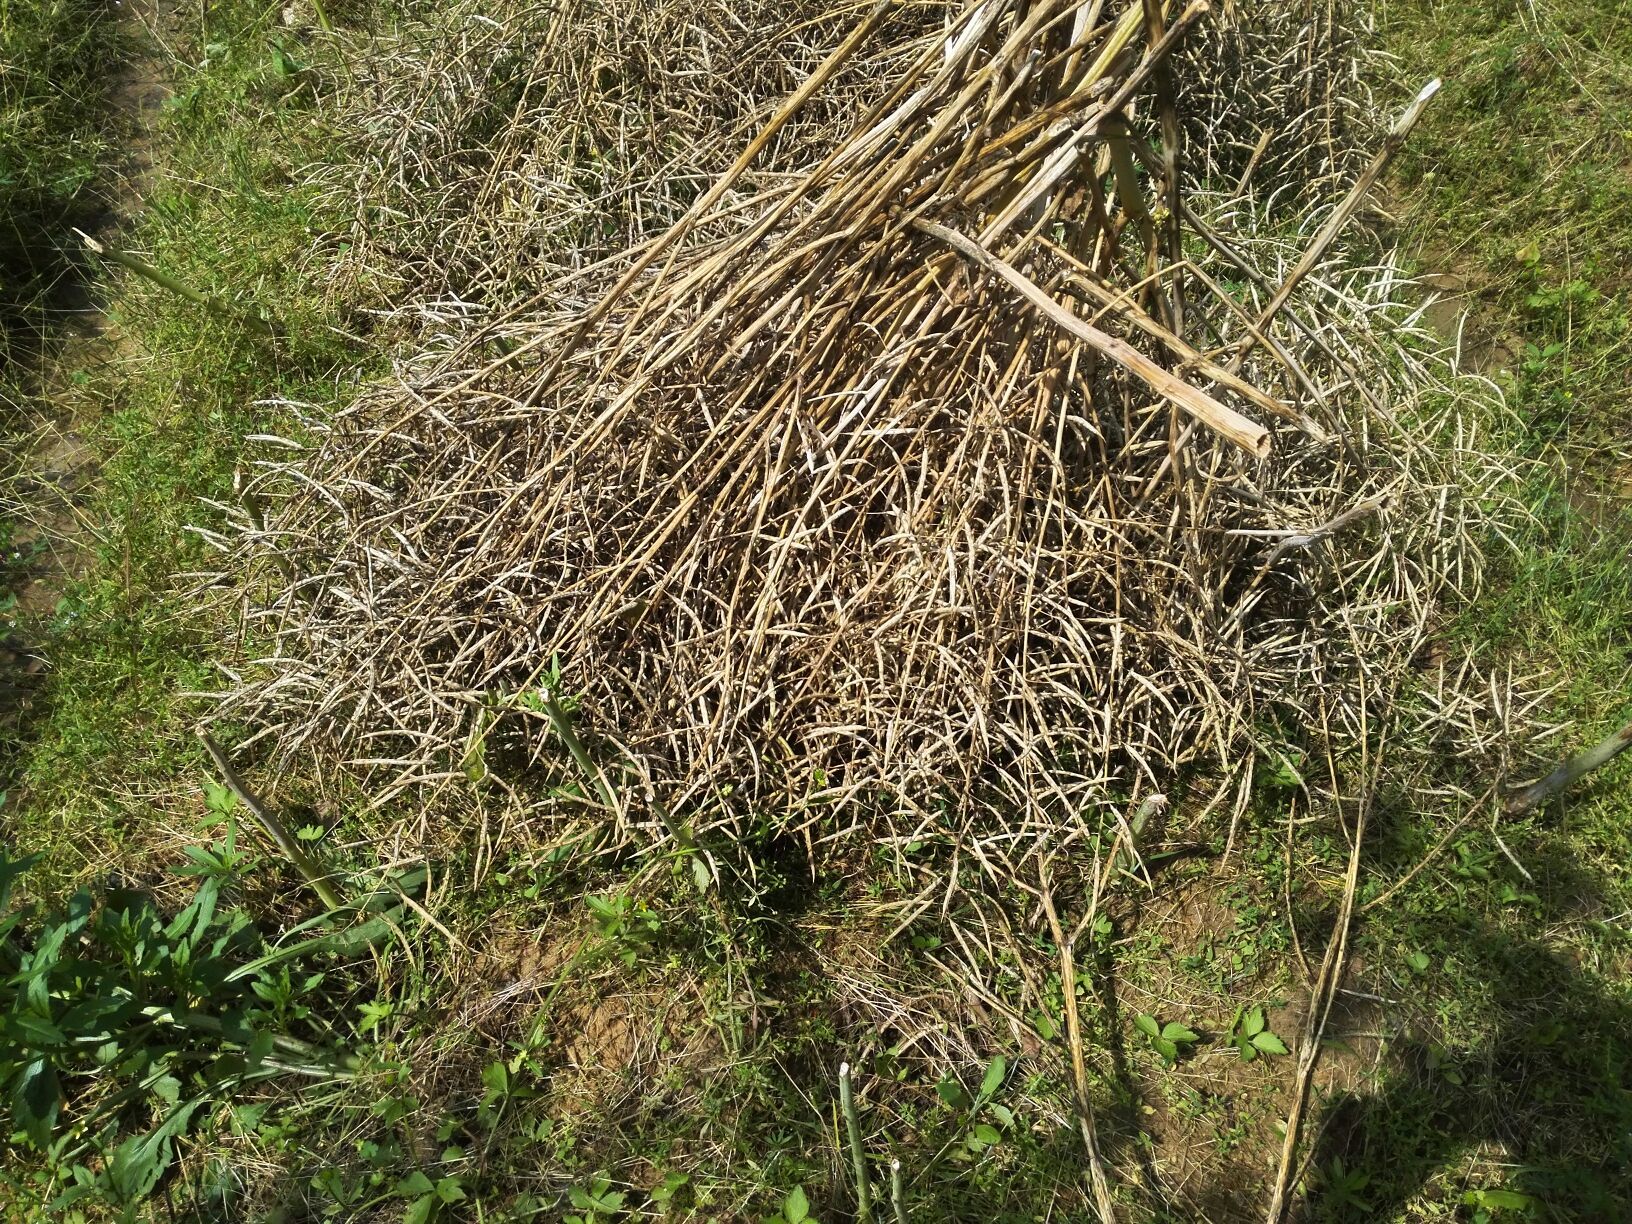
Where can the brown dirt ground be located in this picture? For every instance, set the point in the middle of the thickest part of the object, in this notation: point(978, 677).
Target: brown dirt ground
point(1215, 1121)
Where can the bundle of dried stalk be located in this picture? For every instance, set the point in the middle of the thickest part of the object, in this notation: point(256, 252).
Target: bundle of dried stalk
point(1280, 98)
point(486, 150)
point(943, 470)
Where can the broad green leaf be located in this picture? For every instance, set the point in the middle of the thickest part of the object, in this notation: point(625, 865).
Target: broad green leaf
point(219, 799)
point(1286, 773)
point(953, 1094)
point(1510, 1200)
point(139, 1162)
point(1174, 1031)
point(496, 1078)
point(989, 1135)
point(370, 1013)
point(416, 1183)
point(1147, 1025)
point(422, 1210)
point(665, 1190)
point(36, 1032)
point(1269, 1043)
point(11, 868)
point(35, 1099)
point(1253, 1023)
point(796, 1207)
point(993, 1079)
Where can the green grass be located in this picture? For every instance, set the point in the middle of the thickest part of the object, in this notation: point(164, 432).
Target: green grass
point(1518, 180)
point(167, 421)
point(54, 126)
point(715, 1017)
point(55, 57)
point(1508, 1053)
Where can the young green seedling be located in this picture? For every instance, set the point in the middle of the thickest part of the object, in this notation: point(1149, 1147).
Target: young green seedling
point(1251, 1036)
point(1170, 1040)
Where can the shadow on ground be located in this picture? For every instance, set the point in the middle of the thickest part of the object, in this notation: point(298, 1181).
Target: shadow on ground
point(1543, 1087)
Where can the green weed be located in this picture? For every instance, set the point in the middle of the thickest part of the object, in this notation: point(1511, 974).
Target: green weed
point(1250, 1035)
point(122, 1028)
point(1172, 1040)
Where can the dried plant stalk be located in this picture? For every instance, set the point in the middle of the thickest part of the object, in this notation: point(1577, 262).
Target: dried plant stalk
point(818, 501)
point(867, 422)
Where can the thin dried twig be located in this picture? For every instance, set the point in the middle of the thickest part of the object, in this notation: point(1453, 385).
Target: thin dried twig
point(1066, 945)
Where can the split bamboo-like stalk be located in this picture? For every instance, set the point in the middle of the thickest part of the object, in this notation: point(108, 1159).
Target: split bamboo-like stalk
point(1570, 772)
point(320, 880)
point(1248, 435)
point(181, 289)
point(858, 1153)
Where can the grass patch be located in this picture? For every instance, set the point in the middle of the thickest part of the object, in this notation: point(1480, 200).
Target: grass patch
point(1518, 179)
point(1501, 1092)
point(54, 72)
point(166, 417)
point(55, 59)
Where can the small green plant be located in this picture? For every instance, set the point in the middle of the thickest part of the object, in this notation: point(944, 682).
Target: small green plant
point(119, 1026)
point(1251, 1036)
point(1171, 1040)
point(667, 1193)
point(981, 1111)
point(1285, 768)
point(1493, 1204)
point(1340, 1189)
point(427, 1197)
point(795, 1209)
point(1555, 303)
point(594, 1201)
point(627, 925)
point(1440, 1060)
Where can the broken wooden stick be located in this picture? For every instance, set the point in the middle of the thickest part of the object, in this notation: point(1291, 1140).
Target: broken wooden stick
point(1247, 434)
point(180, 288)
point(1066, 944)
point(315, 876)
